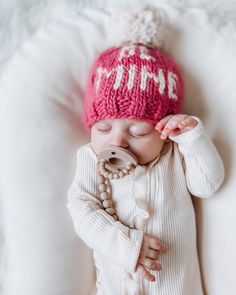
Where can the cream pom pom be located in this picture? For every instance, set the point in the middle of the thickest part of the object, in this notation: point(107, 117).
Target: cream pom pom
point(142, 24)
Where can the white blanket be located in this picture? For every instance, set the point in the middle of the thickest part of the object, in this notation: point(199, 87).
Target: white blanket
point(43, 73)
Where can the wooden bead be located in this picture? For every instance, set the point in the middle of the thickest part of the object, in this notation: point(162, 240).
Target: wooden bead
point(102, 170)
point(115, 217)
point(110, 176)
point(101, 179)
point(107, 203)
point(110, 211)
point(121, 174)
point(116, 176)
point(129, 166)
point(106, 174)
point(101, 164)
point(104, 196)
point(102, 187)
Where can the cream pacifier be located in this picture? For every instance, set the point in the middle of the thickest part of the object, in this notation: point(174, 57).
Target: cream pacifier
point(113, 163)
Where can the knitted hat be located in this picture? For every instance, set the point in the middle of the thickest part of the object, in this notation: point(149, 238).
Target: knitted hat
point(136, 80)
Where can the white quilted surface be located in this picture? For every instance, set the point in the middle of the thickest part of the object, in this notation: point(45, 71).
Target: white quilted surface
point(41, 85)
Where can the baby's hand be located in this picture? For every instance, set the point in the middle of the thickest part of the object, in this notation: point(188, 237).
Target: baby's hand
point(173, 125)
point(148, 257)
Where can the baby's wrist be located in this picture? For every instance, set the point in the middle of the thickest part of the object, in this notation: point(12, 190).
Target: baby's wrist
point(191, 135)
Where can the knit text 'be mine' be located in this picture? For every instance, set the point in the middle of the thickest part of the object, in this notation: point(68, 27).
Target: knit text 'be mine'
point(159, 78)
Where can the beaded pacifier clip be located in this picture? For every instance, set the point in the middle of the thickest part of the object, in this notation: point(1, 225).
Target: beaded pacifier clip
point(113, 163)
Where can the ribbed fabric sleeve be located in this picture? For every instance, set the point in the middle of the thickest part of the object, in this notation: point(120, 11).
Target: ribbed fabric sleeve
point(115, 241)
point(204, 167)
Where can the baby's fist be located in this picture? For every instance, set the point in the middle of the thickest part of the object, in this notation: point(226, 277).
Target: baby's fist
point(174, 125)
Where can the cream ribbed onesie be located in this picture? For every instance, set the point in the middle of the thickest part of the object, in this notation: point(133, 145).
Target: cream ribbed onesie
point(154, 199)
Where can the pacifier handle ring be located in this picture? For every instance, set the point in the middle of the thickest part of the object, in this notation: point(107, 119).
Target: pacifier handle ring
point(117, 157)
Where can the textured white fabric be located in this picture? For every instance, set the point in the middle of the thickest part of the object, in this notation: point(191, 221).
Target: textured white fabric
point(153, 199)
point(40, 131)
point(202, 37)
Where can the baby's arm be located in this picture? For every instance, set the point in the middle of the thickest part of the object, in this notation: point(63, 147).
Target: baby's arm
point(115, 241)
point(204, 167)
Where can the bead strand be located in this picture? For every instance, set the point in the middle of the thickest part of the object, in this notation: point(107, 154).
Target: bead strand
point(105, 192)
point(105, 174)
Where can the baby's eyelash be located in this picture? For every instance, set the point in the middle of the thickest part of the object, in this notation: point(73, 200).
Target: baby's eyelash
point(104, 130)
point(138, 135)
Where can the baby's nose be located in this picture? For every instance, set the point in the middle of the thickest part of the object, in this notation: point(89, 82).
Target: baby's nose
point(120, 141)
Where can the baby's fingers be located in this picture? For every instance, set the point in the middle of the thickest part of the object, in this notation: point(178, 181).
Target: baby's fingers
point(172, 126)
point(150, 263)
point(156, 244)
point(140, 269)
point(162, 123)
point(187, 124)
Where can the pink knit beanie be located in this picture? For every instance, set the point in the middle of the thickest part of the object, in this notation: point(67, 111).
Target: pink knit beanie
point(134, 81)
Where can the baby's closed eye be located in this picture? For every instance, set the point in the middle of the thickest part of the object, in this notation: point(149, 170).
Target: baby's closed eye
point(103, 127)
point(140, 131)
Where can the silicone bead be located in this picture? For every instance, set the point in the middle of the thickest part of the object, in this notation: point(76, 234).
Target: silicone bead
point(110, 211)
point(129, 166)
point(102, 187)
point(101, 178)
point(103, 170)
point(106, 174)
point(102, 164)
point(116, 176)
point(110, 176)
point(104, 195)
point(107, 203)
point(121, 174)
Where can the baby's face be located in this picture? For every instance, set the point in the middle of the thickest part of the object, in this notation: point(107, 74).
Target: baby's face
point(139, 137)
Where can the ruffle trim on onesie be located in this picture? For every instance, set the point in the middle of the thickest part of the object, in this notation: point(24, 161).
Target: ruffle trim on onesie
point(139, 220)
point(132, 281)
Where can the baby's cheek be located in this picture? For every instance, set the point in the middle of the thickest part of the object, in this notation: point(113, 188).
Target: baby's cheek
point(99, 143)
point(148, 151)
